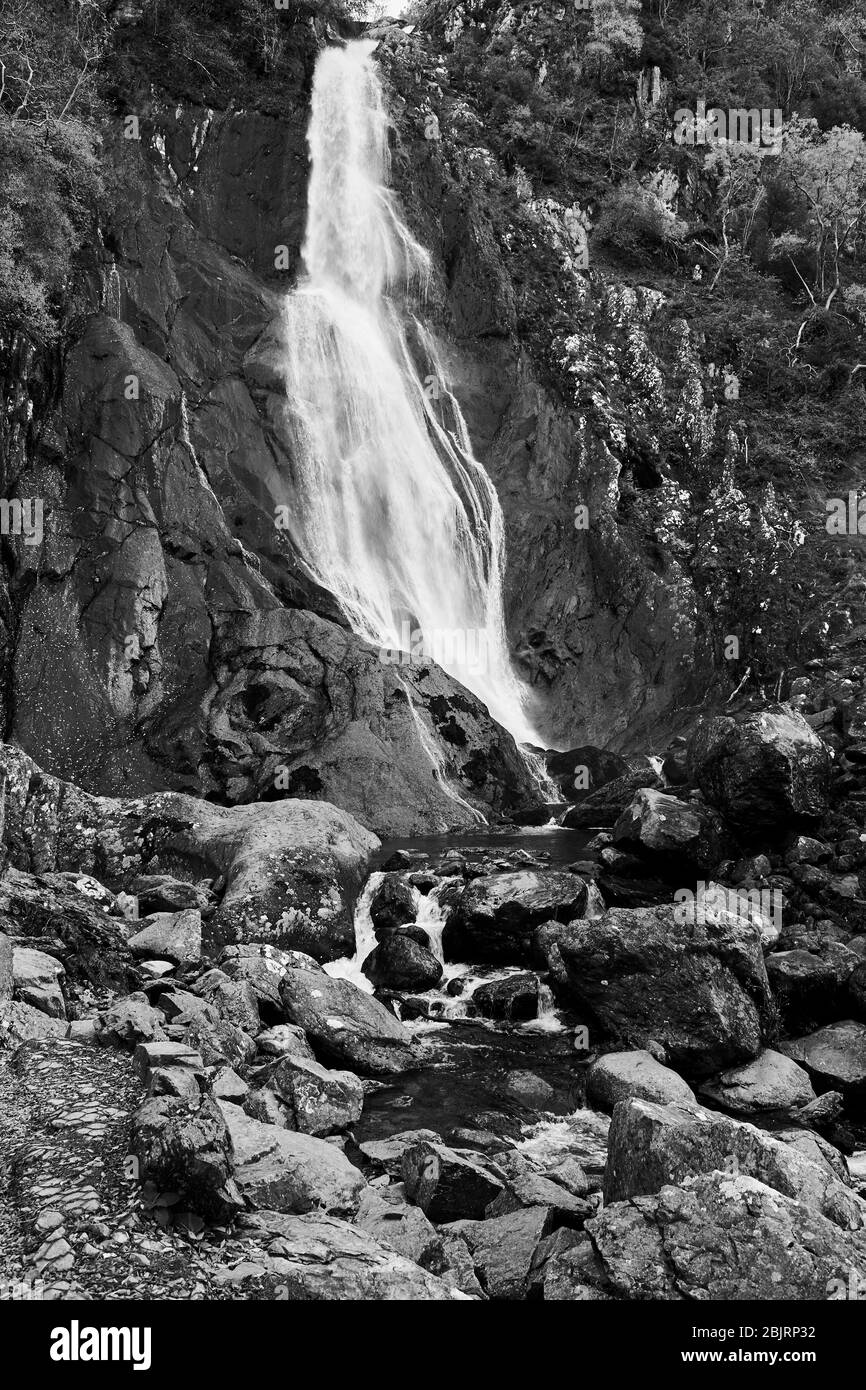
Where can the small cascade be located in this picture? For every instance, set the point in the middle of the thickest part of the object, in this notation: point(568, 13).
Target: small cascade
point(111, 292)
point(349, 967)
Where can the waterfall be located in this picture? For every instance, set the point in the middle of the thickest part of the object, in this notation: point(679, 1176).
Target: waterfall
point(394, 514)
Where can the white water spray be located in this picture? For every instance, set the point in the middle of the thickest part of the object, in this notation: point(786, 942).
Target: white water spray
point(395, 515)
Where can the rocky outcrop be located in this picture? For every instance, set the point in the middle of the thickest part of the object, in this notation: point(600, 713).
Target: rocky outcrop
point(642, 974)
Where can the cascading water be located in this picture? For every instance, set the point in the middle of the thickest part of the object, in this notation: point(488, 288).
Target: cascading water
point(395, 515)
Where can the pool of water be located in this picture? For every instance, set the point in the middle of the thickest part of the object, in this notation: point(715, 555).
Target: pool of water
point(560, 846)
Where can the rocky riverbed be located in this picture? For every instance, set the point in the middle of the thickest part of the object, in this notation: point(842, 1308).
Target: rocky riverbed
point(238, 1065)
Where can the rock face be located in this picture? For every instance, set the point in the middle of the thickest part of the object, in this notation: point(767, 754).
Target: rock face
point(48, 905)
point(652, 1145)
point(495, 916)
point(642, 974)
point(763, 770)
point(665, 1246)
point(345, 1025)
point(581, 771)
point(290, 1172)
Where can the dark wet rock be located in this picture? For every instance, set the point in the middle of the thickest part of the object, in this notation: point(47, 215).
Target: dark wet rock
point(392, 904)
point(666, 1246)
point(806, 850)
point(184, 1146)
point(623, 1075)
point(675, 832)
point(287, 1171)
point(496, 915)
point(772, 1082)
point(810, 986)
point(345, 1025)
point(512, 1000)
point(835, 1058)
point(604, 807)
point(653, 1145)
point(399, 962)
point(675, 766)
point(700, 990)
point(762, 770)
point(600, 766)
point(529, 1090)
point(174, 936)
point(447, 1185)
point(503, 1249)
point(309, 1097)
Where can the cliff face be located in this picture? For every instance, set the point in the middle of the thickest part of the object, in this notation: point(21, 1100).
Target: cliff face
point(165, 634)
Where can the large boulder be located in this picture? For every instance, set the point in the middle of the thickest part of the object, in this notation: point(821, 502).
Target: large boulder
point(307, 1097)
point(762, 770)
point(495, 916)
point(603, 808)
point(184, 1146)
point(651, 1145)
point(448, 1185)
point(772, 1082)
point(398, 962)
point(37, 979)
point(287, 1171)
point(623, 1075)
point(721, 1238)
point(504, 1248)
point(320, 1258)
point(512, 1000)
point(676, 833)
point(642, 974)
point(835, 1058)
point(810, 985)
point(581, 771)
point(345, 1025)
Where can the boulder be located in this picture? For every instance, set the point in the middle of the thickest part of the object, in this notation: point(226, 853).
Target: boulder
point(20, 1023)
point(496, 915)
point(345, 1025)
point(763, 770)
point(810, 986)
point(772, 1082)
point(160, 893)
point(174, 936)
point(603, 808)
point(642, 974)
point(287, 1171)
point(676, 833)
point(512, 1000)
point(285, 1040)
point(312, 1099)
point(623, 1075)
point(393, 904)
point(600, 765)
point(835, 1058)
point(448, 1185)
point(184, 1146)
point(318, 1258)
point(130, 1021)
point(37, 980)
point(385, 1214)
point(398, 962)
point(54, 907)
point(503, 1249)
point(652, 1145)
point(668, 1246)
